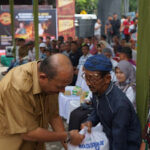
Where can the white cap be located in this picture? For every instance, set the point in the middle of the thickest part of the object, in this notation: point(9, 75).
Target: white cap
point(42, 45)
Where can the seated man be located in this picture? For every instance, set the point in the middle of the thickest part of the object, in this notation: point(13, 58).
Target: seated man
point(22, 58)
point(111, 107)
point(84, 57)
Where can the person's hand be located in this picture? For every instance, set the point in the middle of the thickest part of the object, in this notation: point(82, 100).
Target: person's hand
point(65, 145)
point(87, 124)
point(75, 137)
point(143, 145)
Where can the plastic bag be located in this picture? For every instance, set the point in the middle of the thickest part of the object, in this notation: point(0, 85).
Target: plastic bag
point(96, 140)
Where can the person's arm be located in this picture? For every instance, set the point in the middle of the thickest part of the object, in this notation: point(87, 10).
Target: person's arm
point(106, 27)
point(43, 135)
point(93, 116)
point(144, 142)
point(58, 126)
point(143, 146)
point(17, 31)
point(97, 26)
point(87, 124)
point(122, 27)
point(118, 24)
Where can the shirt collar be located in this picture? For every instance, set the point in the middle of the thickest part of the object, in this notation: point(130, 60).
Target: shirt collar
point(109, 89)
point(85, 56)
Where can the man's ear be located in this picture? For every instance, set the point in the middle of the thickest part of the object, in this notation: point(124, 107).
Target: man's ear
point(107, 78)
point(42, 75)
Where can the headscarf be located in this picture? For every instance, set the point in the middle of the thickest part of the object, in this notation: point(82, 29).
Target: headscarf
point(129, 72)
point(98, 62)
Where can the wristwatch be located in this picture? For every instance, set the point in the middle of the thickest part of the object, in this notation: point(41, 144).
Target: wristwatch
point(68, 139)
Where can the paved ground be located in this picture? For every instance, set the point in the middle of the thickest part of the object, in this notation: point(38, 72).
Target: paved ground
point(49, 146)
point(55, 145)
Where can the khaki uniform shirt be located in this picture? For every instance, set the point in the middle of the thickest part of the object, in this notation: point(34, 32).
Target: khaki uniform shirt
point(23, 107)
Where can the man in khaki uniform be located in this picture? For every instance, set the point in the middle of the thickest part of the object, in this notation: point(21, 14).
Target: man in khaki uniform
point(28, 102)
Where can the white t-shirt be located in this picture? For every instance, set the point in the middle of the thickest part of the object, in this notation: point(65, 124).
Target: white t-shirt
point(97, 31)
point(81, 81)
point(130, 93)
point(31, 55)
point(133, 35)
point(82, 60)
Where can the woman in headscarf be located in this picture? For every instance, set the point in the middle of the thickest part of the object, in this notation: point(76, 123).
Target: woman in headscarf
point(126, 80)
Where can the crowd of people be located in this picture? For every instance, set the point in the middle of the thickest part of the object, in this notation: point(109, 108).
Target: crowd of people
point(108, 62)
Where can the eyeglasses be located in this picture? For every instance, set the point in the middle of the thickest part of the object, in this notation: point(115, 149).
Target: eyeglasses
point(91, 77)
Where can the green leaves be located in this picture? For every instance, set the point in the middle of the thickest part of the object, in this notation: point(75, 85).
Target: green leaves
point(90, 6)
point(133, 5)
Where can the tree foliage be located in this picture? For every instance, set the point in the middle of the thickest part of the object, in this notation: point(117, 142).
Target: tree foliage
point(133, 5)
point(90, 6)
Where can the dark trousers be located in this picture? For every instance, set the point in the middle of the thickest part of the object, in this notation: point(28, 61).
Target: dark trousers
point(109, 37)
point(77, 117)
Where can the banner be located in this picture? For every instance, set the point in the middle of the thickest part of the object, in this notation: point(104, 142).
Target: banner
point(24, 26)
point(66, 18)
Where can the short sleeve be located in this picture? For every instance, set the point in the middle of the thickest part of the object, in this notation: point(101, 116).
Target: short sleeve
point(19, 112)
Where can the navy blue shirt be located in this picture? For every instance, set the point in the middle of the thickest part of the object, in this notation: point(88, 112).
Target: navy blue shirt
point(118, 117)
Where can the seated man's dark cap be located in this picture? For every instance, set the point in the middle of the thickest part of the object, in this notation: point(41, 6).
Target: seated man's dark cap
point(98, 63)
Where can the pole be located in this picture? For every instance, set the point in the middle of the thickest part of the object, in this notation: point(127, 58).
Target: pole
point(143, 62)
point(11, 4)
point(36, 21)
point(126, 6)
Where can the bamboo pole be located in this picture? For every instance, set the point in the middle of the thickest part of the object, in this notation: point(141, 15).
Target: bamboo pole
point(143, 62)
point(36, 21)
point(11, 5)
